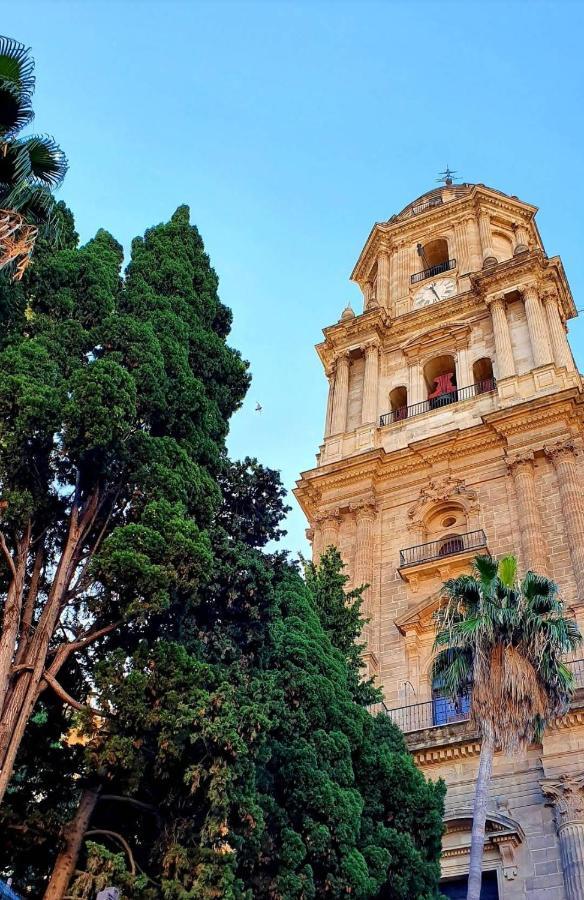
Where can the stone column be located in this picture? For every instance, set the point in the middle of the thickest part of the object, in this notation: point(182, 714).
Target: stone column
point(489, 257)
point(363, 564)
point(403, 271)
point(383, 278)
point(474, 243)
point(327, 532)
point(563, 456)
point(503, 348)
point(464, 376)
point(521, 238)
point(566, 793)
point(369, 404)
point(536, 323)
point(341, 394)
point(330, 374)
point(416, 392)
point(463, 252)
point(532, 543)
point(560, 349)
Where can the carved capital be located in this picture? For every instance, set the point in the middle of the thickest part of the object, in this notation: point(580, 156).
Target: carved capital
point(522, 458)
point(529, 291)
point(330, 517)
point(370, 346)
point(365, 509)
point(497, 299)
point(552, 451)
point(566, 794)
point(342, 357)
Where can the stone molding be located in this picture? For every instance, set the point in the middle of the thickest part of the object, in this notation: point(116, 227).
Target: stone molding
point(566, 794)
point(439, 490)
point(446, 215)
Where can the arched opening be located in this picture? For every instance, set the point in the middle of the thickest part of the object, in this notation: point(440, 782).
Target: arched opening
point(440, 378)
point(398, 402)
point(452, 544)
point(482, 371)
point(446, 709)
point(434, 253)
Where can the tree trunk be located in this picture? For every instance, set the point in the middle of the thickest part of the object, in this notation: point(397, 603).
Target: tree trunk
point(66, 861)
point(479, 816)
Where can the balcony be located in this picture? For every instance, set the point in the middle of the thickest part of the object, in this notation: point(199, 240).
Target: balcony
point(442, 711)
point(459, 543)
point(433, 270)
point(429, 204)
point(466, 393)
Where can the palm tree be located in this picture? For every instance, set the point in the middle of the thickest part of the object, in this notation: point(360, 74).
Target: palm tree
point(31, 167)
point(504, 639)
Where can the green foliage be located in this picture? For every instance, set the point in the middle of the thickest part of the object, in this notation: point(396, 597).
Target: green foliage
point(237, 759)
point(31, 167)
point(505, 638)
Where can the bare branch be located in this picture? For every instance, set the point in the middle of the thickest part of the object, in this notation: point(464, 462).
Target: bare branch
point(147, 807)
point(120, 839)
point(68, 699)
point(7, 555)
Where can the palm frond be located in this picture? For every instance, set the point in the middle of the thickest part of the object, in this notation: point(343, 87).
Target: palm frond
point(48, 163)
point(16, 86)
point(507, 570)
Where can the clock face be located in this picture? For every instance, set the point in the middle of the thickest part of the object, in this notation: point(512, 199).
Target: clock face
point(433, 291)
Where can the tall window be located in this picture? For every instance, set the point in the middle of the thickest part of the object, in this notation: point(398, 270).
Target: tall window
point(482, 371)
point(440, 378)
point(398, 401)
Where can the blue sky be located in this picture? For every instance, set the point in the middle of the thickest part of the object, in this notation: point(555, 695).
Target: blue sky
point(289, 128)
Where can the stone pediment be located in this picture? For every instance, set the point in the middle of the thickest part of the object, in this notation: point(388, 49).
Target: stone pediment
point(421, 616)
point(445, 338)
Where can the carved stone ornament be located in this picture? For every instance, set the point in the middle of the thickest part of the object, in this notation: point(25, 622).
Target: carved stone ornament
point(437, 490)
point(552, 451)
point(566, 794)
point(521, 458)
point(364, 509)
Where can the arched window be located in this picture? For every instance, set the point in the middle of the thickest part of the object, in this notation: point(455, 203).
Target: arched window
point(440, 378)
point(398, 401)
point(482, 371)
point(434, 253)
point(452, 544)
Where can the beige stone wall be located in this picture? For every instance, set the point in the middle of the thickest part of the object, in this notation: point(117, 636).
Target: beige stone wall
point(509, 462)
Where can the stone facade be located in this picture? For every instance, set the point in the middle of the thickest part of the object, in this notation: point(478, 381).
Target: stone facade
point(455, 426)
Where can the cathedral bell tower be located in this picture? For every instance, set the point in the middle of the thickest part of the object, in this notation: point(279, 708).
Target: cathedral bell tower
point(454, 426)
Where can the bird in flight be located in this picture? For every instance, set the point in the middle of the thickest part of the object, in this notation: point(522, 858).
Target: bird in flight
point(258, 407)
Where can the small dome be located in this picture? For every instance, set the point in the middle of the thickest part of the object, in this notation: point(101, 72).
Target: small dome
point(347, 313)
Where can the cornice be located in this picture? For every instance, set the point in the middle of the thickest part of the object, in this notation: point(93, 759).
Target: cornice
point(444, 215)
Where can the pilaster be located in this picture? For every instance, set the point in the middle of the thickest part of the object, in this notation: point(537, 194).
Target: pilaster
point(536, 323)
point(370, 381)
point(557, 332)
point(563, 456)
point(341, 394)
point(503, 348)
point(521, 466)
point(566, 794)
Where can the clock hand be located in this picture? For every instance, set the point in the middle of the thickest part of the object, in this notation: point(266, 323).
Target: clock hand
point(434, 292)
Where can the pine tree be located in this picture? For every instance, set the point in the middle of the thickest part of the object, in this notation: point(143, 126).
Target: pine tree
point(114, 401)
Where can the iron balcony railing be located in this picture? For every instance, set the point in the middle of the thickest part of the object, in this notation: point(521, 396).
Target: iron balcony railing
point(443, 711)
point(446, 546)
point(422, 207)
point(432, 714)
point(466, 393)
point(433, 270)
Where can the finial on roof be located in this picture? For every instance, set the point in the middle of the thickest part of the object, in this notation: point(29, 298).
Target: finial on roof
point(347, 313)
point(447, 175)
